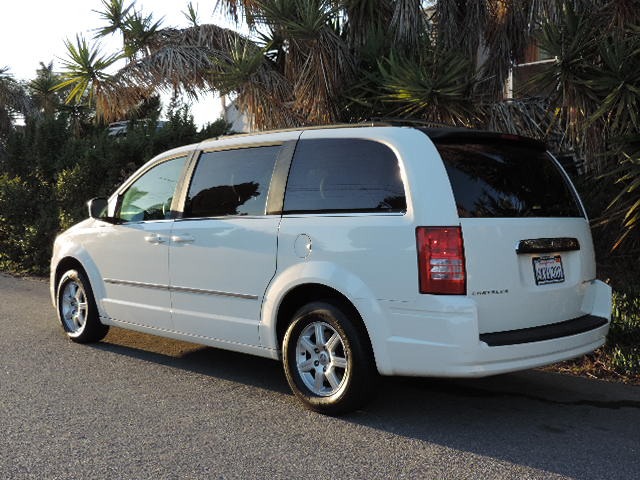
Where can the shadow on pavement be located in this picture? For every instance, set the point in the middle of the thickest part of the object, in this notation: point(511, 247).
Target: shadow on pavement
point(237, 367)
point(559, 424)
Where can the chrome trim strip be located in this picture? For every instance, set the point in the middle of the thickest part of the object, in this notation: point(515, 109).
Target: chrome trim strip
point(128, 283)
point(213, 292)
point(242, 146)
point(180, 289)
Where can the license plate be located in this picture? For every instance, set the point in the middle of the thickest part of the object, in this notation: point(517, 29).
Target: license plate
point(548, 270)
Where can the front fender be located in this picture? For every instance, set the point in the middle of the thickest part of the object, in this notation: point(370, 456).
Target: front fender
point(64, 248)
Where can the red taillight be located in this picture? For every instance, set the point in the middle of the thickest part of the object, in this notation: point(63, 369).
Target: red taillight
point(441, 260)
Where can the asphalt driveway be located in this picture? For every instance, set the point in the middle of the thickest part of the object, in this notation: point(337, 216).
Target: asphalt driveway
point(138, 406)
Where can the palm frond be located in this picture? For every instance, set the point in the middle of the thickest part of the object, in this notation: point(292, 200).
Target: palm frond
point(14, 100)
point(191, 14)
point(237, 9)
point(42, 89)
point(182, 59)
point(361, 17)
point(409, 26)
point(139, 32)
point(437, 89)
point(318, 60)
point(175, 61)
point(624, 208)
point(115, 14)
point(616, 84)
point(460, 25)
point(85, 71)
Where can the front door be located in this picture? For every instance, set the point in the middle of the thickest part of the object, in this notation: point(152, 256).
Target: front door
point(133, 256)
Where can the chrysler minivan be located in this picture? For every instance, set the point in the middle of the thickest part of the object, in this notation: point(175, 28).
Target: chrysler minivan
point(345, 252)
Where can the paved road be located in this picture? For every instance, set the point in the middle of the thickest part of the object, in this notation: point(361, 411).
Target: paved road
point(137, 406)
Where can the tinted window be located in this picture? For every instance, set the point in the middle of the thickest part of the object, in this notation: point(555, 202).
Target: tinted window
point(337, 175)
point(231, 182)
point(507, 180)
point(150, 196)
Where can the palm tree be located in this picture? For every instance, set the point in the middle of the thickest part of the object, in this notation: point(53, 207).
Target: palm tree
point(87, 74)
point(306, 62)
point(43, 92)
point(115, 14)
point(14, 101)
point(321, 61)
point(86, 77)
point(594, 84)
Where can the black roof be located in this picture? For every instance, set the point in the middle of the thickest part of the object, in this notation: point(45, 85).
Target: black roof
point(451, 135)
point(438, 133)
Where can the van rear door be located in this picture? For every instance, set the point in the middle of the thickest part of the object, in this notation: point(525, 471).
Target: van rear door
point(528, 247)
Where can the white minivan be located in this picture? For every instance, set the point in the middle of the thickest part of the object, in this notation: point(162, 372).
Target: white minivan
point(346, 252)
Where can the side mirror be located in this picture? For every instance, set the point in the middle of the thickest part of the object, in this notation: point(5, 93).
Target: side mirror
point(98, 208)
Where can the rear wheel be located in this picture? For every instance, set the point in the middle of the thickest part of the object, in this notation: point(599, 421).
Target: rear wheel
point(77, 310)
point(328, 362)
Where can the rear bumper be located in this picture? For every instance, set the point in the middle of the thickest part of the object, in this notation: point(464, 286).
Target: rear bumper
point(582, 324)
point(448, 344)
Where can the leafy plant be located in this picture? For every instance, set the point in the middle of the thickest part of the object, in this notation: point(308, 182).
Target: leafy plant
point(86, 74)
point(626, 204)
point(624, 335)
point(436, 87)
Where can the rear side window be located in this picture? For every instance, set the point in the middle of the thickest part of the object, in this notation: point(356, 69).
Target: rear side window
point(344, 175)
point(231, 182)
point(507, 180)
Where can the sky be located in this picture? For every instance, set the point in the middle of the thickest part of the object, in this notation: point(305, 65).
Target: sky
point(33, 31)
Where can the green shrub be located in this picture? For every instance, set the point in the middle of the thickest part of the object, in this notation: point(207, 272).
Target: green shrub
point(626, 360)
point(49, 171)
point(28, 224)
point(74, 186)
point(624, 335)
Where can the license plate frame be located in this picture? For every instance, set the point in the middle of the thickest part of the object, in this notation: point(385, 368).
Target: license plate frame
point(548, 269)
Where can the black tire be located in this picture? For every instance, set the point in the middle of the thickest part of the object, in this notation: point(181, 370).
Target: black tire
point(77, 309)
point(335, 372)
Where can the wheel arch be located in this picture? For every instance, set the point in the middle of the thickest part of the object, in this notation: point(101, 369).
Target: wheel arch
point(80, 329)
point(84, 265)
point(305, 293)
point(64, 265)
point(282, 303)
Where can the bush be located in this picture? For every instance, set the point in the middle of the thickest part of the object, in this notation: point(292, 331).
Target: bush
point(624, 335)
point(28, 224)
point(49, 174)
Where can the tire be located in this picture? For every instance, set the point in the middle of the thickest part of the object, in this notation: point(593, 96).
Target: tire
point(327, 360)
point(77, 309)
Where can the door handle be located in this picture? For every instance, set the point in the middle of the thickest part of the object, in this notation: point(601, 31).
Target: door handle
point(154, 238)
point(182, 238)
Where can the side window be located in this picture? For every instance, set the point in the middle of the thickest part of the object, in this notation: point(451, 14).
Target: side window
point(150, 196)
point(231, 182)
point(344, 175)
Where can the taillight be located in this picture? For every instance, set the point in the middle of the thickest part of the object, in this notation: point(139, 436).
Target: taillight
point(441, 260)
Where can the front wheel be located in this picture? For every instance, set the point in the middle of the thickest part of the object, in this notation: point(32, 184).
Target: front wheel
point(77, 310)
point(328, 362)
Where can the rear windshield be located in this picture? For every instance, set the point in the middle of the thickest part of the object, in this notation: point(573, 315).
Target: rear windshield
point(507, 180)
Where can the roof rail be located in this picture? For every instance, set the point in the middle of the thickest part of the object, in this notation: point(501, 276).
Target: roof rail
point(413, 122)
point(305, 127)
